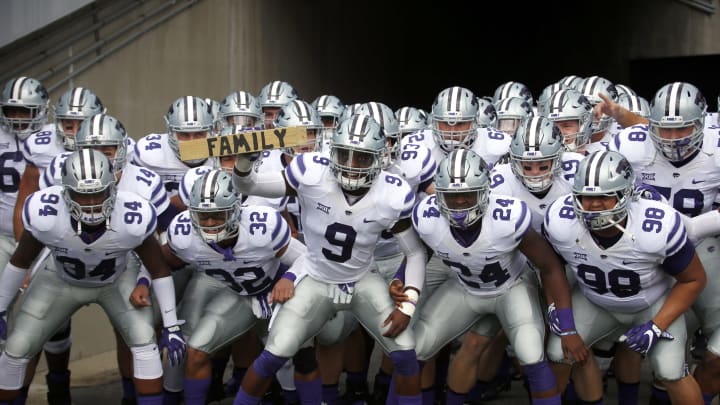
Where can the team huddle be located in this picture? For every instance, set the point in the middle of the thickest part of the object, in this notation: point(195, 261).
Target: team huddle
point(559, 241)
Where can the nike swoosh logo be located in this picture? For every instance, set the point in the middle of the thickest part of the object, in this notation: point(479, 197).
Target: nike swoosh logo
point(697, 181)
point(366, 221)
point(627, 262)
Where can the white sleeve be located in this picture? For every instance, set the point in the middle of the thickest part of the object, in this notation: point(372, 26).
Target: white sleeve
point(702, 226)
point(416, 258)
point(295, 249)
point(267, 184)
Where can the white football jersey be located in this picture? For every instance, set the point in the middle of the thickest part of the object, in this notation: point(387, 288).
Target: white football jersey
point(12, 167)
point(491, 263)
point(248, 268)
point(47, 217)
point(42, 146)
point(491, 144)
point(425, 138)
point(601, 145)
point(691, 188)
point(135, 179)
point(154, 152)
point(626, 277)
point(341, 237)
point(504, 182)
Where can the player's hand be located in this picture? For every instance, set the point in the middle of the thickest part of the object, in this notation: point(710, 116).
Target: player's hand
point(607, 107)
point(282, 291)
point(244, 162)
point(140, 296)
point(648, 192)
point(26, 282)
point(574, 349)
point(172, 341)
point(3, 326)
point(398, 323)
point(397, 292)
point(642, 338)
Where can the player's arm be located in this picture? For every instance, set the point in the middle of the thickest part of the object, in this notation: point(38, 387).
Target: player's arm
point(15, 270)
point(415, 259)
point(284, 289)
point(691, 279)
point(29, 183)
point(702, 226)
point(621, 115)
point(557, 288)
point(267, 184)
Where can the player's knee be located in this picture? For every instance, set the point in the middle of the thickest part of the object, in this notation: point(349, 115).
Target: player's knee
point(13, 372)
point(196, 359)
point(267, 364)
point(529, 347)
point(405, 362)
point(474, 344)
point(305, 360)
point(146, 362)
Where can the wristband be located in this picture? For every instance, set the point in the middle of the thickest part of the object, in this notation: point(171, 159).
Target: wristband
point(565, 319)
point(408, 307)
point(143, 281)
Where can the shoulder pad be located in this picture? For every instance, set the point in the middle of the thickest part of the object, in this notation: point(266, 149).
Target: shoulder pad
point(635, 144)
point(392, 195)
point(559, 219)
point(265, 226)
point(180, 233)
point(307, 168)
point(43, 209)
point(133, 215)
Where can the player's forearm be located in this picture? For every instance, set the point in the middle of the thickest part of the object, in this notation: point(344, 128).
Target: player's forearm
point(164, 290)
point(294, 250)
point(10, 282)
point(415, 256)
point(702, 226)
point(266, 184)
point(626, 118)
point(679, 299)
point(557, 288)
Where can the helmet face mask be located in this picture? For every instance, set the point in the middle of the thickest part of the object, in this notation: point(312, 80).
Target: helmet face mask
point(535, 153)
point(189, 118)
point(73, 107)
point(454, 118)
point(214, 207)
point(510, 112)
point(88, 183)
point(462, 186)
point(357, 152)
point(603, 175)
point(677, 120)
point(23, 106)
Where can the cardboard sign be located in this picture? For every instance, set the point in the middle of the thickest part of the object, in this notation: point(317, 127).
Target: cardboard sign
point(243, 142)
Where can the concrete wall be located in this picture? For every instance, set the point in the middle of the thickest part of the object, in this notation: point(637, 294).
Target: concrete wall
point(396, 52)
